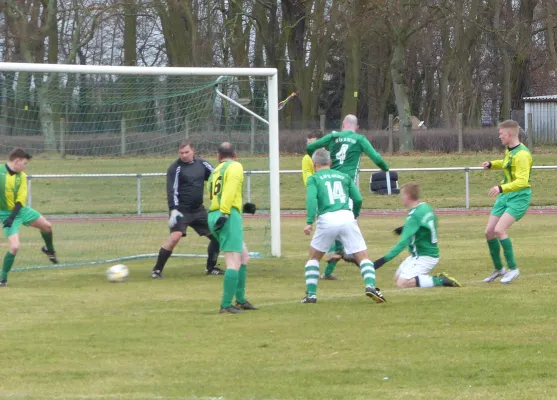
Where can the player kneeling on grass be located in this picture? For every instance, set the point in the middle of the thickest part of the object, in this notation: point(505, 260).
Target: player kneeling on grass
point(15, 213)
point(327, 197)
point(225, 223)
point(419, 234)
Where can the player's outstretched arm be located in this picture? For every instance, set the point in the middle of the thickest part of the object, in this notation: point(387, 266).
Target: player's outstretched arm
point(172, 189)
point(325, 141)
point(410, 228)
point(370, 151)
point(493, 164)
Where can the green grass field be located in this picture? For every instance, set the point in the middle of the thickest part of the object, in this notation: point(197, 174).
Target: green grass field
point(118, 195)
point(69, 334)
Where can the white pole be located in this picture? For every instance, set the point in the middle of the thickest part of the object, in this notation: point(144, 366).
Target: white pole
point(467, 186)
point(121, 70)
point(274, 168)
point(221, 94)
point(138, 194)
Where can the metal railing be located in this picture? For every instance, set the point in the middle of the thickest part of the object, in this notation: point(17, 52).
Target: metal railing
point(249, 175)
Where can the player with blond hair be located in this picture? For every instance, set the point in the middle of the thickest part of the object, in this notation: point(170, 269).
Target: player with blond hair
point(513, 199)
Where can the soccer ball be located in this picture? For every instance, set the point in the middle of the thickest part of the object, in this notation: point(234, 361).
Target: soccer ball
point(117, 273)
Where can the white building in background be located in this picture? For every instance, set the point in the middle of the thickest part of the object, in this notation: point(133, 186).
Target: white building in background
point(544, 118)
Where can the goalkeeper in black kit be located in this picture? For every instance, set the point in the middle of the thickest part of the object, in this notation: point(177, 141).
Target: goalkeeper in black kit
point(185, 183)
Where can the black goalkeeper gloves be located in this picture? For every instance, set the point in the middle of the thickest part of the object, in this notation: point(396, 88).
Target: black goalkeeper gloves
point(220, 222)
point(249, 208)
point(379, 263)
point(8, 222)
point(398, 231)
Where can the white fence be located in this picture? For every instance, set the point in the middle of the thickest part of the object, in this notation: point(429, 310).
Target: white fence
point(139, 177)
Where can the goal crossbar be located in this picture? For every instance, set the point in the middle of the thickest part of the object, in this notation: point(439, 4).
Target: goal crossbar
point(272, 93)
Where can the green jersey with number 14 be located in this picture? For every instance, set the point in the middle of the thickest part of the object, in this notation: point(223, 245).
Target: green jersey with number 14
point(346, 149)
point(328, 191)
point(419, 233)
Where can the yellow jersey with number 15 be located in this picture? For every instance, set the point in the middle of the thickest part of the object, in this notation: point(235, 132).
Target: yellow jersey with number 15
point(225, 187)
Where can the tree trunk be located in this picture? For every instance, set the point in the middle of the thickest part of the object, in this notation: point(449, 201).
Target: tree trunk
point(352, 73)
point(507, 68)
point(398, 69)
point(521, 59)
point(53, 34)
point(294, 17)
point(550, 23)
point(130, 32)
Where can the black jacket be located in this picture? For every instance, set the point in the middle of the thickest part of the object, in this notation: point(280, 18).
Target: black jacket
point(185, 184)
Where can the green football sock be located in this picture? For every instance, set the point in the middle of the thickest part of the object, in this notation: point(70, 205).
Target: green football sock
point(312, 277)
point(230, 283)
point(368, 272)
point(437, 281)
point(495, 251)
point(9, 259)
point(337, 247)
point(241, 288)
point(508, 252)
point(47, 237)
point(331, 265)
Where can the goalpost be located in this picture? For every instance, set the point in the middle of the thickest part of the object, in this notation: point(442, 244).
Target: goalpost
point(117, 110)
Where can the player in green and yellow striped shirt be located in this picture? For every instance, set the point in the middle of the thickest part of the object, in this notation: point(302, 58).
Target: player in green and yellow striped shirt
point(513, 199)
point(225, 222)
point(14, 212)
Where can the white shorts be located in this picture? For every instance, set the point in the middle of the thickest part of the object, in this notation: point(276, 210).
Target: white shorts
point(338, 225)
point(414, 266)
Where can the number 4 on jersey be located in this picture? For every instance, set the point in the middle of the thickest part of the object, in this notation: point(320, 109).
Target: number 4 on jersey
point(341, 154)
point(335, 192)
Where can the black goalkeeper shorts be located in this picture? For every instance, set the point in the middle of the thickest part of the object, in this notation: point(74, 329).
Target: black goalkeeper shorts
point(197, 220)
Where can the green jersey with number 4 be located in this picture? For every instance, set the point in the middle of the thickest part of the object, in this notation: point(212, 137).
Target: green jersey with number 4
point(328, 191)
point(419, 234)
point(346, 149)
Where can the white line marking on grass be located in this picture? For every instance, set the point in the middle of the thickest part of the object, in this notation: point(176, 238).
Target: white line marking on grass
point(133, 396)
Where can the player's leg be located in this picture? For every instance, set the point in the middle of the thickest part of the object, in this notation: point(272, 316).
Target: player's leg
point(493, 243)
point(336, 254)
point(200, 224)
point(322, 240)
point(165, 252)
point(31, 217)
point(367, 270)
point(517, 205)
point(311, 271)
point(504, 223)
point(9, 258)
point(415, 272)
point(231, 241)
point(354, 243)
point(213, 251)
point(241, 301)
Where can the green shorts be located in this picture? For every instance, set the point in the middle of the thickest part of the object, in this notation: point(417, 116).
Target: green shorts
point(513, 203)
point(24, 217)
point(231, 236)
